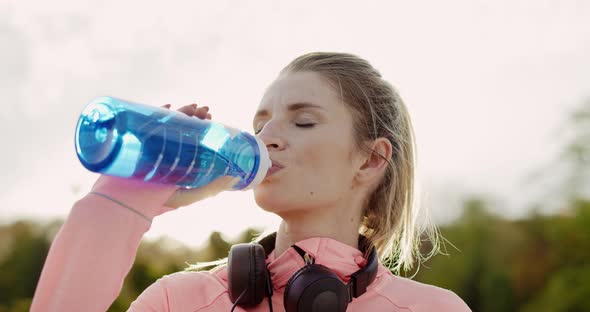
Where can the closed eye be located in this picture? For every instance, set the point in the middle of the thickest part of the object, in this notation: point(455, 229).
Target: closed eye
point(298, 125)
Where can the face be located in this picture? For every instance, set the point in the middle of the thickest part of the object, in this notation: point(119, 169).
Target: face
point(308, 130)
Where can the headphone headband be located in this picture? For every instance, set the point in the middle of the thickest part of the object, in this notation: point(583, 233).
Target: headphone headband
point(362, 278)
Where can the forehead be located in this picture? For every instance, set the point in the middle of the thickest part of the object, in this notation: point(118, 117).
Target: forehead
point(300, 87)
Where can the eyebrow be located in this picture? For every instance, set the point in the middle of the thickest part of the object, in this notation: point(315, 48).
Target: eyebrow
point(291, 107)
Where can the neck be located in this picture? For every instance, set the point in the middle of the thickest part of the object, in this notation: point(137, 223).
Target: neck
point(331, 223)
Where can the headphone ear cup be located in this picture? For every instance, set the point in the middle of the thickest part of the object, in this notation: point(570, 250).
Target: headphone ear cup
point(313, 288)
point(247, 273)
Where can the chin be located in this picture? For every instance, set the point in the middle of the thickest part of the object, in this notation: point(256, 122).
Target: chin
point(265, 198)
point(269, 198)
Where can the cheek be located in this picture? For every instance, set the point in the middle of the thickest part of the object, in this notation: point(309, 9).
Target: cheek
point(325, 166)
point(315, 183)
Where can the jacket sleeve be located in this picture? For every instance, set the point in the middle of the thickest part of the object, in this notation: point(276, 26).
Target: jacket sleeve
point(96, 246)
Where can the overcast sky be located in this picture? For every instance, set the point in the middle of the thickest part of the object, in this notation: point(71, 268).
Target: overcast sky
point(487, 84)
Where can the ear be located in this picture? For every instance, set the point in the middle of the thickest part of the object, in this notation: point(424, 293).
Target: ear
point(373, 167)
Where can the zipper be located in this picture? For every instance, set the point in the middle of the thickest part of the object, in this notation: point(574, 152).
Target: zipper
point(308, 259)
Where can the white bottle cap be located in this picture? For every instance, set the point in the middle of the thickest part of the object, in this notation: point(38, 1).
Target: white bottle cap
point(263, 166)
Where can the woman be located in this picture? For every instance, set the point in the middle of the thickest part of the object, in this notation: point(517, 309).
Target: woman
point(342, 145)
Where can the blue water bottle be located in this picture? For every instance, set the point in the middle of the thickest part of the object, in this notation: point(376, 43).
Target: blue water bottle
point(154, 144)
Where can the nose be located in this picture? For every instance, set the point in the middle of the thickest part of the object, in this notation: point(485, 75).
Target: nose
point(272, 136)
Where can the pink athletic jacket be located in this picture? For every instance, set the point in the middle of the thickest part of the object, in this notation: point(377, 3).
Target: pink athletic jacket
point(95, 249)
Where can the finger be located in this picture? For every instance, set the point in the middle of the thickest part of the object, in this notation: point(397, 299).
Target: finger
point(185, 197)
point(188, 109)
point(167, 106)
point(201, 112)
point(194, 110)
point(208, 116)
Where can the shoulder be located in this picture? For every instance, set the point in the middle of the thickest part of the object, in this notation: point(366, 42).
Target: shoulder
point(206, 282)
point(178, 290)
point(415, 296)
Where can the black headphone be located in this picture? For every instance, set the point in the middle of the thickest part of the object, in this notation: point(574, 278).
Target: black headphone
point(313, 287)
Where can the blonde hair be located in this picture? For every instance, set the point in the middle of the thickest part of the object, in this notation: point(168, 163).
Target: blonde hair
point(390, 216)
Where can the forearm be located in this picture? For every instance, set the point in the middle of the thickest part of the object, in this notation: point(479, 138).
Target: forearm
point(95, 248)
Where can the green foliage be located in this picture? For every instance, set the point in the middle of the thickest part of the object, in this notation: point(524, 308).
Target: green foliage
point(21, 261)
point(537, 264)
point(568, 289)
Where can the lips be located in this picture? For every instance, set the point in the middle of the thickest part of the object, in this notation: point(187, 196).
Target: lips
point(276, 166)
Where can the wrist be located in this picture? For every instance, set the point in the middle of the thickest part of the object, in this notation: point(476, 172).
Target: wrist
point(144, 198)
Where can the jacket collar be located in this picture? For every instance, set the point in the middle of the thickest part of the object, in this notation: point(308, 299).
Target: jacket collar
point(342, 259)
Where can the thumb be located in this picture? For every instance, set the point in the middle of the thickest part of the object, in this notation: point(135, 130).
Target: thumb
point(184, 197)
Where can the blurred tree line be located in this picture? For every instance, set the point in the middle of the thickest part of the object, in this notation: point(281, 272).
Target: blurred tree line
point(539, 263)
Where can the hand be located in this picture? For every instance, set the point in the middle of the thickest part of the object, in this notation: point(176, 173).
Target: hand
point(185, 197)
point(193, 110)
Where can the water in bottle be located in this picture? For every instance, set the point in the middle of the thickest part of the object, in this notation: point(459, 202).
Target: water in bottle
point(154, 144)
